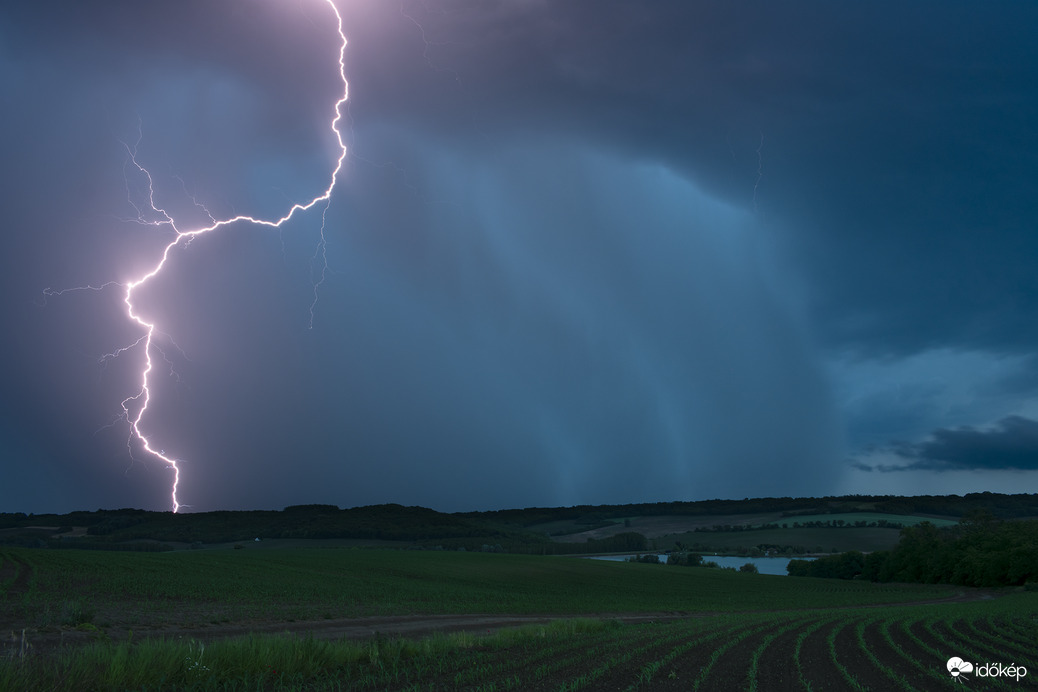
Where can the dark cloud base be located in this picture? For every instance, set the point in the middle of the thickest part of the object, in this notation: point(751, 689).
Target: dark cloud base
point(1012, 444)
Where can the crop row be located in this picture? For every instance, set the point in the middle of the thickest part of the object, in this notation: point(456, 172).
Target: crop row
point(895, 648)
point(761, 633)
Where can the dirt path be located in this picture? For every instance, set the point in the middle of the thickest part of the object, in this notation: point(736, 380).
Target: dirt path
point(14, 576)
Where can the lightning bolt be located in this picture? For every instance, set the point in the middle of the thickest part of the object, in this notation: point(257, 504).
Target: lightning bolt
point(135, 406)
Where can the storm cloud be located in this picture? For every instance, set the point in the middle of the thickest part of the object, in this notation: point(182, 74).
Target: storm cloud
point(580, 252)
point(1011, 444)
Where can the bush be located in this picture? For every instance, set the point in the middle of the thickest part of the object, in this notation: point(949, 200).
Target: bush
point(841, 566)
point(799, 568)
point(685, 559)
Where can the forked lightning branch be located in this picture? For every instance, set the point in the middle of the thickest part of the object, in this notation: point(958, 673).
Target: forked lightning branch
point(135, 406)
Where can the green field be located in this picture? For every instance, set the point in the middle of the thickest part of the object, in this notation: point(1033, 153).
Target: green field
point(193, 587)
point(712, 628)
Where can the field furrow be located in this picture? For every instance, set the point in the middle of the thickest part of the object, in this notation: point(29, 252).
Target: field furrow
point(925, 669)
point(514, 665)
point(817, 668)
point(850, 682)
point(854, 661)
point(1022, 630)
point(938, 647)
point(967, 644)
point(690, 664)
point(881, 655)
point(980, 633)
point(942, 648)
point(621, 669)
point(585, 668)
point(1012, 637)
point(907, 672)
point(754, 681)
point(776, 665)
point(672, 668)
point(730, 661)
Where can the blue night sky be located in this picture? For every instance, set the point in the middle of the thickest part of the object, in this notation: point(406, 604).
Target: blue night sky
point(581, 251)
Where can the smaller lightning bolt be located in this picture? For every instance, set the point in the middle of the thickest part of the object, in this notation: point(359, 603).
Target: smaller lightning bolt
point(319, 252)
point(135, 406)
point(427, 43)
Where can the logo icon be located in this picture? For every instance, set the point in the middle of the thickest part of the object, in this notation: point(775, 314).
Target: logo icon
point(957, 667)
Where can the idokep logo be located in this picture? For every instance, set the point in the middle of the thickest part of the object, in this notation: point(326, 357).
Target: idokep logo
point(958, 668)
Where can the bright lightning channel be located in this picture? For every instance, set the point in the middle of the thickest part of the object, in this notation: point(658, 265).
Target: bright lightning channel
point(140, 401)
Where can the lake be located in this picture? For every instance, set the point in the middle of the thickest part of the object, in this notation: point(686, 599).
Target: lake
point(765, 565)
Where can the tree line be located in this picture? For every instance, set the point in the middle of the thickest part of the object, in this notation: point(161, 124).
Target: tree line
point(814, 524)
point(979, 551)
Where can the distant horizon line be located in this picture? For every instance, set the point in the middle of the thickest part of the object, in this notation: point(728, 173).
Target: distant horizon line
point(316, 505)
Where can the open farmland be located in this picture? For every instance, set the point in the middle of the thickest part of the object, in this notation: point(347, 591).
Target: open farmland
point(196, 588)
point(188, 620)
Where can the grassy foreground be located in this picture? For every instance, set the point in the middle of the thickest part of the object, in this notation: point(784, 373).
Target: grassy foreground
point(895, 648)
point(742, 630)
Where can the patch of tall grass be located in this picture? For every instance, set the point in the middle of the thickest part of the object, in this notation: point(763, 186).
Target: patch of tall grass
point(267, 662)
